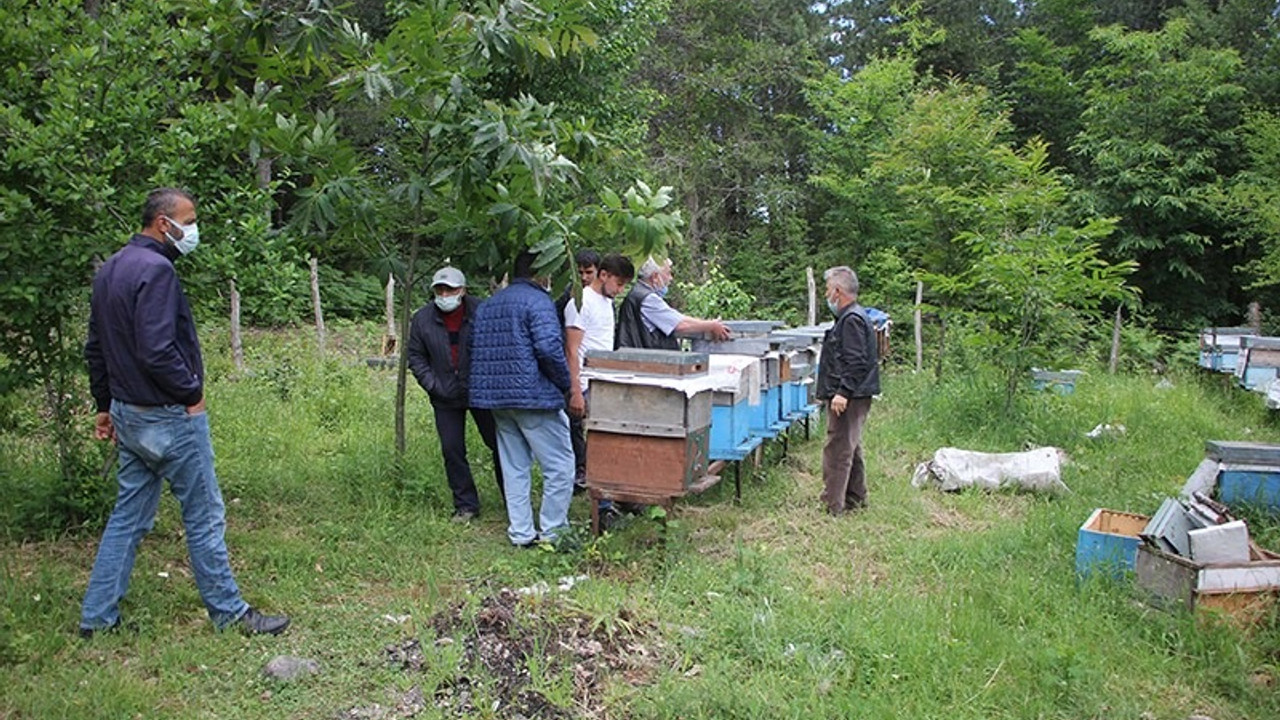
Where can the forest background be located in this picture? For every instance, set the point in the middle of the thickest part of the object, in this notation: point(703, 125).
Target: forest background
point(1036, 165)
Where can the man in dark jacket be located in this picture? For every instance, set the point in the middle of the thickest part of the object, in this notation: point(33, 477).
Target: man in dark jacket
point(147, 378)
point(440, 359)
point(848, 377)
point(519, 371)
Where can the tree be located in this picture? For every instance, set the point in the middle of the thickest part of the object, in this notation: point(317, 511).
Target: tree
point(1160, 138)
point(83, 103)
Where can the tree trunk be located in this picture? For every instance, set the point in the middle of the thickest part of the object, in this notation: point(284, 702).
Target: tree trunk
point(237, 347)
point(919, 327)
point(1114, 363)
point(315, 302)
point(1255, 317)
point(812, 317)
point(402, 368)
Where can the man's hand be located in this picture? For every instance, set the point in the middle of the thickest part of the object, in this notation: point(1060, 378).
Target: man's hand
point(838, 405)
point(577, 404)
point(103, 429)
point(197, 408)
point(719, 331)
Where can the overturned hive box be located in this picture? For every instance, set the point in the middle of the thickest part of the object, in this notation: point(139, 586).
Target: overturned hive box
point(647, 433)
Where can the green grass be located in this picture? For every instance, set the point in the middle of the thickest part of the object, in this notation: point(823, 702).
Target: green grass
point(924, 606)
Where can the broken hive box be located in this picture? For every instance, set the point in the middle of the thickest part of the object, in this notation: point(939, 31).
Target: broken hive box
point(1245, 592)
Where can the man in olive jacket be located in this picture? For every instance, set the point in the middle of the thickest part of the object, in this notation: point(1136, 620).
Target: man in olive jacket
point(440, 359)
point(848, 377)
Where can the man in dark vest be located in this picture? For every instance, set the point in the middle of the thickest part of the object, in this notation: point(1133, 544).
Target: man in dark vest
point(647, 321)
point(848, 377)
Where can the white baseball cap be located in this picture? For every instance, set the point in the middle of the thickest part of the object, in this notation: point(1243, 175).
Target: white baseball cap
point(450, 276)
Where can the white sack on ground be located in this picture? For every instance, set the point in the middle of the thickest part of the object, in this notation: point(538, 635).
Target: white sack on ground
point(951, 469)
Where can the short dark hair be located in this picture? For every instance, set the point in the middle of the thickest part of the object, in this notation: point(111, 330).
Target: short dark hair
point(523, 267)
point(162, 201)
point(587, 257)
point(618, 265)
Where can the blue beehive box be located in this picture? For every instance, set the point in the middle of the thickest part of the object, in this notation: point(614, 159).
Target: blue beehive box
point(732, 407)
point(1255, 486)
point(1220, 347)
point(1108, 543)
point(1258, 362)
point(1062, 382)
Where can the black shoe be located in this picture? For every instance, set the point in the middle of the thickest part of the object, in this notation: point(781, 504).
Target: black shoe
point(255, 623)
point(88, 633)
point(610, 517)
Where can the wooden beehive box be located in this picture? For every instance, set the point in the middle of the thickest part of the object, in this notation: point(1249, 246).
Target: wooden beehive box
point(1259, 361)
point(1107, 542)
point(647, 439)
point(1245, 592)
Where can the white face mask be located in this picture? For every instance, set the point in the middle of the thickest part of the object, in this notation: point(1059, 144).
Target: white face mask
point(190, 236)
point(448, 303)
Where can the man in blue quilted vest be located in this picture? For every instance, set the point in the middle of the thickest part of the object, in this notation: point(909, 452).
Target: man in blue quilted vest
point(519, 371)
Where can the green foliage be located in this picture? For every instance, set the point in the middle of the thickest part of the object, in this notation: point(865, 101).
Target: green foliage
point(1036, 279)
point(716, 297)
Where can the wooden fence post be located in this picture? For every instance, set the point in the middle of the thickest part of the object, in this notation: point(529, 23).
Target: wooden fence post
point(919, 331)
point(1115, 343)
point(315, 302)
point(813, 296)
point(237, 347)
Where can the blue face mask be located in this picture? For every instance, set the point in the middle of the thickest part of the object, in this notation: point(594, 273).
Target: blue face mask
point(662, 291)
point(833, 306)
point(190, 236)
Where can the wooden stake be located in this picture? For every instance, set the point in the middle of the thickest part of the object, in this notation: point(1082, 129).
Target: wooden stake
point(389, 339)
point(1115, 343)
point(919, 331)
point(813, 296)
point(315, 302)
point(237, 348)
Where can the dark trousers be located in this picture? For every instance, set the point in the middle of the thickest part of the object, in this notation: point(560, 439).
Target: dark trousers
point(578, 438)
point(844, 474)
point(451, 424)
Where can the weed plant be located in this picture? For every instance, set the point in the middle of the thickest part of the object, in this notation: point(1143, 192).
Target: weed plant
point(925, 605)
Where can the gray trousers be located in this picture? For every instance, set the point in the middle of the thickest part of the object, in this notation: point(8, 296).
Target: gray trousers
point(844, 474)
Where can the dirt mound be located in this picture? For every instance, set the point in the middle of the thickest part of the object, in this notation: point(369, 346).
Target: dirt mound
point(532, 657)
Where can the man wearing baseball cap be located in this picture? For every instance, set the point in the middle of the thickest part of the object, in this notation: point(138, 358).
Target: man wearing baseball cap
point(440, 360)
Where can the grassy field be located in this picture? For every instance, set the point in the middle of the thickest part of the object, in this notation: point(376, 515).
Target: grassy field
point(926, 605)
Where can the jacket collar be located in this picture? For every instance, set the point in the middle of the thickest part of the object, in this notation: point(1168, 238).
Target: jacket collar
point(150, 243)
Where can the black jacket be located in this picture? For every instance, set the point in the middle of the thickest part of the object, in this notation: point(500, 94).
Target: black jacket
point(430, 357)
point(850, 361)
point(142, 347)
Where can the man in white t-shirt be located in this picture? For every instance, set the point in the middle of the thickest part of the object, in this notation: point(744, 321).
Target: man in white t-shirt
point(591, 326)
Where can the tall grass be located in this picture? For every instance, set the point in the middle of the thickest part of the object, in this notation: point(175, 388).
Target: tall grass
point(926, 605)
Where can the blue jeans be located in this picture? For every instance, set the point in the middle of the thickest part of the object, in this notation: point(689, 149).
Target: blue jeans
point(523, 436)
point(157, 443)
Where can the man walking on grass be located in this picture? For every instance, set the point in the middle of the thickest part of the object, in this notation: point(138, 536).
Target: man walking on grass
point(848, 377)
point(439, 355)
point(518, 370)
point(147, 378)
